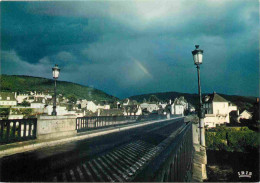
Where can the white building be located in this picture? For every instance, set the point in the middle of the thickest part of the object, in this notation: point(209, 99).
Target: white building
point(244, 115)
point(191, 108)
point(61, 110)
point(91, 106)
point(7, 99)
point(33, 96)
point(178, 109)
point(132, 110)
point(38, 103)
point(126, 102)
point(20, 97)
point(163, 105)
point(83, 103)
point(217, 110)
point(150, 107)
point(178, 106)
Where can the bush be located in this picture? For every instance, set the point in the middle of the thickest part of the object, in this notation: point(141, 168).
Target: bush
point(25, 103)
point(232, 139)
point(4, 111)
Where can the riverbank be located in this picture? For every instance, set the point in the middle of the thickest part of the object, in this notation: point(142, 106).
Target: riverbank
point(232, 151)
point(223, 166)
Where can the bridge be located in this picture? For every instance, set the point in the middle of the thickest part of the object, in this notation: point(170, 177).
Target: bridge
point(155, 148)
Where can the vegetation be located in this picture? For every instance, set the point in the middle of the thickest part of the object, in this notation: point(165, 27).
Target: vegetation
point(4, 111)
point(153, 98)
point(25, 103)
point(239, 139)
point(242, 102)
point(14, 83)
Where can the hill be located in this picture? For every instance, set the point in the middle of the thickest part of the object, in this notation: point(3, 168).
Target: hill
point(241, 101)
point(19, 83)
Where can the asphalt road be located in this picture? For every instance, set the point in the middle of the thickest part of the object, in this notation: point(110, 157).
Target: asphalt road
point(113, 157)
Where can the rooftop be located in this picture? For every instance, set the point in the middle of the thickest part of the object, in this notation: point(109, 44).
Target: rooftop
point(214, 98)
point(4, 96)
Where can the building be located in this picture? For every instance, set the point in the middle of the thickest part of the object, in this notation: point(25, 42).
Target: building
point(91, 106)
point(83, 103)
point(38, 103)
point(20, 97)
point(244, 115)
point(94, 106)
point(149, 107)
point(132, 110)
point(163, 105)
point(217, 110)
point(178, 106)
point(179, 109)
point(61, 110)
point(7, 99)
point(126, 102)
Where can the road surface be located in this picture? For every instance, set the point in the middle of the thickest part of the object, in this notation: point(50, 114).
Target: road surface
point(115, 157)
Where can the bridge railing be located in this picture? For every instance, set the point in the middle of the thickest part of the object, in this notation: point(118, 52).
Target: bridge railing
point(88, 123)
point(174, 164)
point(15, 130)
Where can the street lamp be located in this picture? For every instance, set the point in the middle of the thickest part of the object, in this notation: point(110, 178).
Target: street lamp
point(197, 57)
point(55, 74)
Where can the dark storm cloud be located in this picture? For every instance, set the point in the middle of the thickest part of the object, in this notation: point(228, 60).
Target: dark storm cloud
point(132, 47)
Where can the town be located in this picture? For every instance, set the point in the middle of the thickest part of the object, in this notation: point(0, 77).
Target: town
point(15, 105)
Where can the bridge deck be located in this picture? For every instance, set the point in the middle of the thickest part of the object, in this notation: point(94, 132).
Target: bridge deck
point(114, 157)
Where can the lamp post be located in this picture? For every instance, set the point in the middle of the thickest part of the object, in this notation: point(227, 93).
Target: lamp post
point(197, 57)
point(55, 74)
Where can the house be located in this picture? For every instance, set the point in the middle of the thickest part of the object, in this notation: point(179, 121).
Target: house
point(91, 106)
point(83, 103)
point(126, 102)
point(38, 103)
point(103, 105)
point(15, 114)
point(244, 115)
point(132, 110)
point(178, 109)
point(217, 110)
point(178, 106)
point(163, 105)
point(149, 107)
point(182, 101)
point(61, 110)
point(191, 109)
point(20, 97)
point(7, 99)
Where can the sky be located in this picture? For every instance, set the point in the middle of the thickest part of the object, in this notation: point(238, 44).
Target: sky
point(127, 48)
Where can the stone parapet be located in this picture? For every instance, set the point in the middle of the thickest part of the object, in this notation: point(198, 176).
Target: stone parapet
point(200, 157)
point(49, 127)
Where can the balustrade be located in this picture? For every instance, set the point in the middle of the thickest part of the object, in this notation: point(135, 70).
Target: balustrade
point(88, 123)
point(17, 130)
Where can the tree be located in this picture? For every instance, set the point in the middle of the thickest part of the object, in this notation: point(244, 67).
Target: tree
point(72, 99)
point(134, 102)
point(25, 103)
point(144, 101)
point(153, 98)
point(26, 112)
point(4, 111)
